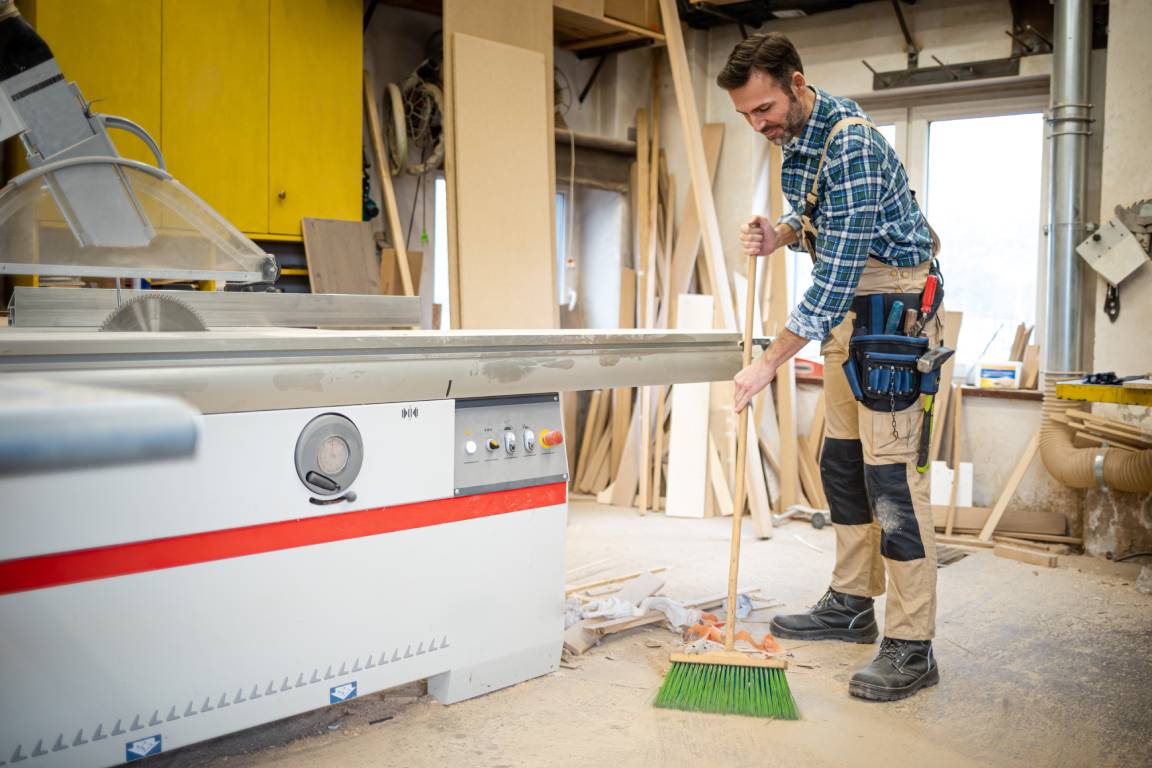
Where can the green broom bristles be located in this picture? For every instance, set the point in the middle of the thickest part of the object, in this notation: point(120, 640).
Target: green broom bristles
point(728, 689)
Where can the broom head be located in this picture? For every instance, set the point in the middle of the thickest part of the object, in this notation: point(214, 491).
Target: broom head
point(728, 682)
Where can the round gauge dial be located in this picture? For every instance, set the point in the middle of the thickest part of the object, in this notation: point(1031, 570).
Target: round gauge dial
point(333, 454)
point(329, 453)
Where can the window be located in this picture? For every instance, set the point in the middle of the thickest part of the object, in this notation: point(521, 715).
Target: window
point(985, 184)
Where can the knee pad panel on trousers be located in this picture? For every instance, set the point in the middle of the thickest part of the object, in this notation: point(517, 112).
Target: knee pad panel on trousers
point(892, 504)
point(842, 472)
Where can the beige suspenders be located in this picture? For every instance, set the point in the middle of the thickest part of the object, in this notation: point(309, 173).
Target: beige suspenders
point(807, 228)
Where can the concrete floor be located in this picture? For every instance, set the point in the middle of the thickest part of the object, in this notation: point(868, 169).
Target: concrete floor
point(1038, 667)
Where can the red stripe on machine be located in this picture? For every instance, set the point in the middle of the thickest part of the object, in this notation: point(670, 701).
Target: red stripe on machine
point(56, 569)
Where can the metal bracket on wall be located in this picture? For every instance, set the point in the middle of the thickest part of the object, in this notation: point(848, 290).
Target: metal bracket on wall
point(945, 73)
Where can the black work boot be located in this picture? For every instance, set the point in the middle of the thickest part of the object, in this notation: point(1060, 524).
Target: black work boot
point(836, 616)
point(901, 668)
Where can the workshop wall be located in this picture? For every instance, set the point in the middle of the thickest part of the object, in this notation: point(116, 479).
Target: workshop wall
point(1122, 522)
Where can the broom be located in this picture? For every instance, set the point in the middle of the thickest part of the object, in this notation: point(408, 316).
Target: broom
point(730, 682)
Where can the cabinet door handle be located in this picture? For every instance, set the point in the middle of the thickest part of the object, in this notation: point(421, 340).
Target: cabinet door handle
point(282, 194)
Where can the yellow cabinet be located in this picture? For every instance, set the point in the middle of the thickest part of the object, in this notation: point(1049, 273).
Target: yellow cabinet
point(315, 92)
point(255, 103)
point(215, 96)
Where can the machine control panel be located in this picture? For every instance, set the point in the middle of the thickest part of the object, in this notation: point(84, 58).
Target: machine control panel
point(522, 443)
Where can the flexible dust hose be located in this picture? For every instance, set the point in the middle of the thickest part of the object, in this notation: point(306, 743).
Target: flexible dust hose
point(1111, 468)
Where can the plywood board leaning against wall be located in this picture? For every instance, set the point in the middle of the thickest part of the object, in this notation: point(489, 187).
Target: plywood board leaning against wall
point(503, 197)
point(341, 256)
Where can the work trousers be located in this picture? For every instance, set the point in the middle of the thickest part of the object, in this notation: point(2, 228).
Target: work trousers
point(880, 505)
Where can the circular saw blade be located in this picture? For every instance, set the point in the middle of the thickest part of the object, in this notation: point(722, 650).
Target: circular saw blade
point(154, 312)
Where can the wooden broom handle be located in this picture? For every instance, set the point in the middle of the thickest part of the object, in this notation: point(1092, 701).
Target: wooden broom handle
point(741, 462)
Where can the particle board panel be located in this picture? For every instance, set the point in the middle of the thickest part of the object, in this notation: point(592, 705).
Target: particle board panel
point(532, 31)
point(688, 440)
point(341, 256)
point(503, 187)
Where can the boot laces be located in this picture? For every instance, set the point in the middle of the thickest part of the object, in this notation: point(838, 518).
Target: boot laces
point(892, 649)
point(825, 601)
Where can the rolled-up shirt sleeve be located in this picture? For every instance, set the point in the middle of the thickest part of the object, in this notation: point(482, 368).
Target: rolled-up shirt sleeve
point(851, 191)
point(792, 219)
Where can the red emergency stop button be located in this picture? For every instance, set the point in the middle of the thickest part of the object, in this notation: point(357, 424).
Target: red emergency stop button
point(550, 438)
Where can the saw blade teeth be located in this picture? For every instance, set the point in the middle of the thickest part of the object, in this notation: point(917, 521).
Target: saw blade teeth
point(154, 311)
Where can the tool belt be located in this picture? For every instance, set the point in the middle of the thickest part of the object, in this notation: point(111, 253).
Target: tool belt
point(881, 366)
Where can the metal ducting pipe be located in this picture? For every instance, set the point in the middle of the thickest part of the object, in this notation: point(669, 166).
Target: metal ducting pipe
point(1069, 125)
point(1107, 468)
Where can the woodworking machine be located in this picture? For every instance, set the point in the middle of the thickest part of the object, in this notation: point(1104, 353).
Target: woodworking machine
point(210, 525)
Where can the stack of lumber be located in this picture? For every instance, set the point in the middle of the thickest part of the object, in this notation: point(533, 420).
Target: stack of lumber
point(1092, 431)
point(631, 439)
point(1028, 354)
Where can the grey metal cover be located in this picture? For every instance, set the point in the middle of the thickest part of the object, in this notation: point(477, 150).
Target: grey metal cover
point(268, 369)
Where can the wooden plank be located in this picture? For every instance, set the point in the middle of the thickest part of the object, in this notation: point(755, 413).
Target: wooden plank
point(391, 280)
point(598, 479)
point(658, 463)
point(720, 489)
point(1055, 549)
point(644, 585)
point(1038, 521)
point(957, 431)
point(816, 430)
point(569, 591)
point(645, 174)
point(384, 173)
point(341, 256)
point(627, 475)
point(1010, 487)
point(687, 243)
point(1119, 436)
point(788, 458)
point(504, 211)
point(759, 497)
point(578, 639)
point(591, 425)
point(1030, 556)
point(1030, 375)
point(694, 148)
point(952, 323)
point(622, 397)
point(1123, 426)
point(688, 439)
point(964, 541)
point(810, 475)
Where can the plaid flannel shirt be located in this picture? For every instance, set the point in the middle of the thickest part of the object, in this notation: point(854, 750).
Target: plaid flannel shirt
point(864, 208)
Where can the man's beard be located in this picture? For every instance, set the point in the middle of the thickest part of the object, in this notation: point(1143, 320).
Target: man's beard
point(793, 123)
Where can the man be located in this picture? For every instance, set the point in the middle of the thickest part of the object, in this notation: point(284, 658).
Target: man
point(869, 241)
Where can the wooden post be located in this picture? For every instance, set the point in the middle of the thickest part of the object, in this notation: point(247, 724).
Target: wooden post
point(385, 173)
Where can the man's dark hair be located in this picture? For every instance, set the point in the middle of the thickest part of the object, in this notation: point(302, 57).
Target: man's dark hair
point(770, 52)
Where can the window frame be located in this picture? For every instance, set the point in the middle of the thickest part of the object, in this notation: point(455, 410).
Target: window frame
point(913, 126)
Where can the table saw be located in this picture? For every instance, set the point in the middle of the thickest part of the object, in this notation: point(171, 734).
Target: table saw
point(209, 522)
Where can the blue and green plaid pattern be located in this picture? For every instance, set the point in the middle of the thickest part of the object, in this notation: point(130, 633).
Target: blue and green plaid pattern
point(865, 208)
